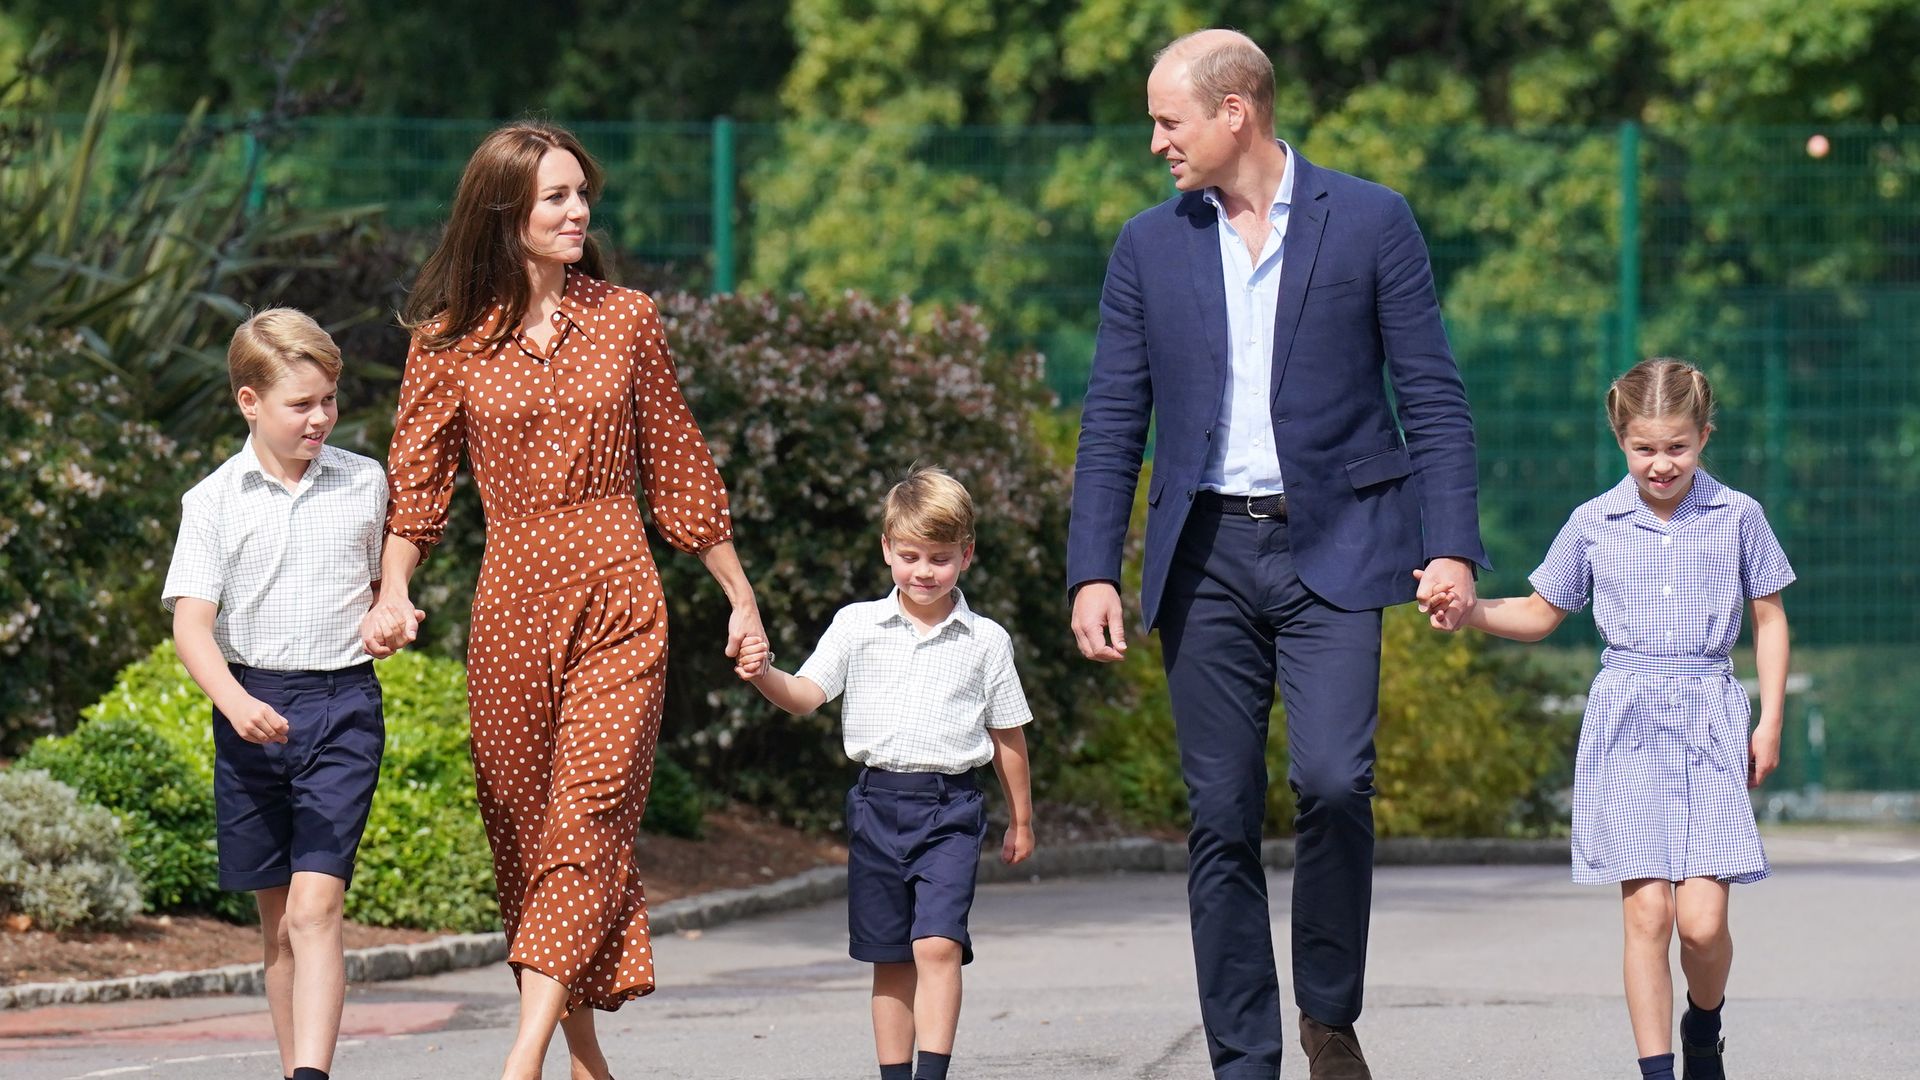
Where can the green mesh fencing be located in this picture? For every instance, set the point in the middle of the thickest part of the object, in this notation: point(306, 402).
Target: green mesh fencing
point(1788, 266)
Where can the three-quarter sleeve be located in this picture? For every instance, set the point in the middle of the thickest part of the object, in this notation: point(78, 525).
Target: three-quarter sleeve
point(682, 486)
point(427, 437)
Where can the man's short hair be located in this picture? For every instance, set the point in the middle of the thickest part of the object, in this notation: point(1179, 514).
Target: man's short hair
point(265, 348)
point(930, 506)
point(1232, 64)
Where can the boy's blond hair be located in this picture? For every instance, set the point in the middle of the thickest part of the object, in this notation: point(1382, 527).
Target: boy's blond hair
point(930, 506)
point(265, 348)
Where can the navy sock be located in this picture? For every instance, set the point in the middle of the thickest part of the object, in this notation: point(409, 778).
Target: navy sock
point(1657, 1067)
point(932, 1066)
point(1699, 1026)
point(902, 1071)
point(308, 1074)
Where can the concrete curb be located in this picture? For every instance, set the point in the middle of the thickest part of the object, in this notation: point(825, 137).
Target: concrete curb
point(455, 951)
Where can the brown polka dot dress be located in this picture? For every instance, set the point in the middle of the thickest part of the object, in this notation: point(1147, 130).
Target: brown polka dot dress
point(568, 648)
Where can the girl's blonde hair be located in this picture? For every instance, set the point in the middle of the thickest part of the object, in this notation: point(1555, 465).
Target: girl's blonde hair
point(929, 506)
point(1657, 388)
point(265, 348)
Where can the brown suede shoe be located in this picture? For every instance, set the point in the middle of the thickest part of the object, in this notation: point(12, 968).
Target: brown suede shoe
point(1333, 1053)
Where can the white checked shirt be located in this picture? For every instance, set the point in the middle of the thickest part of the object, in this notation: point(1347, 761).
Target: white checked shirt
point(918, 704)
point(1243, 460)
point(291, 571)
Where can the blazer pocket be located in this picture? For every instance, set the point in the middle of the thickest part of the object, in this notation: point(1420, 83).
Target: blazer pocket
point(1154, 485)
point(1379, 468)
point(1331, 289)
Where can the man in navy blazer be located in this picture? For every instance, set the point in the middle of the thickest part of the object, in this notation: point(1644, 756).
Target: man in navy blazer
point(1261, 318)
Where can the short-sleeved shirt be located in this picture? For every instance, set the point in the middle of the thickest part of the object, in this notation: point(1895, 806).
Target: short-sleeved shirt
point(1665, 588)
point(918, 703)
point(291, 571)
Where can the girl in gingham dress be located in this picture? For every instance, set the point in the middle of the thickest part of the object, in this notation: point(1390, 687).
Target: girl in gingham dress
point(1660, 800)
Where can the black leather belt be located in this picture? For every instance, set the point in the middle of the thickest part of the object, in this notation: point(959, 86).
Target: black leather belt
point(1253, 506)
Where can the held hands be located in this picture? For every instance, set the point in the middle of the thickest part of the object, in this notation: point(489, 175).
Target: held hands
point(1446, 595)
point(1018, 844)
point(255, 721)
point(744, 626)
point(389, 626)
point(1763, 753)
point(756, 656)
point(1098, 624)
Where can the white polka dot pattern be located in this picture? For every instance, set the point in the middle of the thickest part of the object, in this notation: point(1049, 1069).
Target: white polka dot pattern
point(566, 661)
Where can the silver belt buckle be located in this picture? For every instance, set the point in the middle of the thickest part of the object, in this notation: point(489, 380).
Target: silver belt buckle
point(1251, 514)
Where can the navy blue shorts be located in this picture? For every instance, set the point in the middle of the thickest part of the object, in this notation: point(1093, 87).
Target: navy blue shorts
point(301, 804)
point(913, 850)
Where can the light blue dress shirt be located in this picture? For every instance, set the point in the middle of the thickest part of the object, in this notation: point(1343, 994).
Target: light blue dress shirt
point(1242, 460)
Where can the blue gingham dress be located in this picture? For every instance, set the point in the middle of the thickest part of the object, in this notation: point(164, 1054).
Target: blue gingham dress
point(1660, 779)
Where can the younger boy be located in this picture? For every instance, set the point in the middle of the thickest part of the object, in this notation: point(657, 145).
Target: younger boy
point(270, 580)
point(932, 694)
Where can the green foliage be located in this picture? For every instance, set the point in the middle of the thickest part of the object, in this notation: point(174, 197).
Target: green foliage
point(88, 506)
point(133, 247)
point(675, 804)
point(62, 863)
point(146, 751)
point(164, 802)
point(686, 59)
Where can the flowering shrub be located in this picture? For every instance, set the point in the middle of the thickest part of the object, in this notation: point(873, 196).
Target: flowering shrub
point(62, 863)
point(89, 502)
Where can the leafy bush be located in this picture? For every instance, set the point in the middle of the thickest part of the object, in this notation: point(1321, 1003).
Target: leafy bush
point(145, 750)
point(62, 863)
point(89, 501)
point(164, 802)
point(135, 244)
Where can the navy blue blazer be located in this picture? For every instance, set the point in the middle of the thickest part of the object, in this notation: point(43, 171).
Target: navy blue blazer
point(1365, 504)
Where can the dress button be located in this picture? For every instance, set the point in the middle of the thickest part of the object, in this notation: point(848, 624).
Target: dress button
point(1668, 591)
point(1666, 541)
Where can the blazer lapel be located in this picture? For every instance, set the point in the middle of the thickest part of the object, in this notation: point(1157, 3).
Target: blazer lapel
point(1306, 223)
point(1209, 281)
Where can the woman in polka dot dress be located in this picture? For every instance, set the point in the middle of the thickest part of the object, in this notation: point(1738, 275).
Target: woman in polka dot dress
point(1660, 802)
point(560, 390)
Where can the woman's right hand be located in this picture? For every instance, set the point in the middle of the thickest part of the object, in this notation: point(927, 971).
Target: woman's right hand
point(390, 625)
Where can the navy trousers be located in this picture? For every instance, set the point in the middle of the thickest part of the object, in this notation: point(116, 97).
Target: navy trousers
point(1235, 617)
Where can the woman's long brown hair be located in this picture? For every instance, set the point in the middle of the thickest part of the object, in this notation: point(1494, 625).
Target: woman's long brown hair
point(481, 259)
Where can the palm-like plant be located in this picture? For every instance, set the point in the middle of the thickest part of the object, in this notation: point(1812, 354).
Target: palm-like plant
point(132, 248)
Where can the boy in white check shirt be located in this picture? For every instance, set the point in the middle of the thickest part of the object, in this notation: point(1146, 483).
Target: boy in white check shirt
point(271, 578)
point(932, 694)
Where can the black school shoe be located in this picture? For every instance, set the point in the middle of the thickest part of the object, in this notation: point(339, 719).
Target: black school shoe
point(1702, 1062)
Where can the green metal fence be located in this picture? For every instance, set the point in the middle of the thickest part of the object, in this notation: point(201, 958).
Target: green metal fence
point(1786, 261)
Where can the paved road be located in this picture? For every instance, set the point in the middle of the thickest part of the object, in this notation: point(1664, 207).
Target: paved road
point(1503, 973)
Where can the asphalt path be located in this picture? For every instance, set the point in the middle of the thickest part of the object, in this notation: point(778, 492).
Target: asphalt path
point(1474, 972)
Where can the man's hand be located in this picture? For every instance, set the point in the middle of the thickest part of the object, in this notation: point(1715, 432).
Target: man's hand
point(1098, 622)
point(255, 721)
point(1446, 592)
